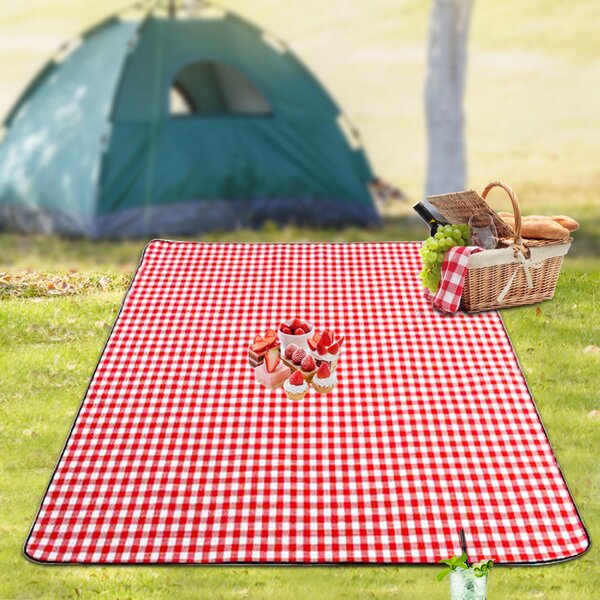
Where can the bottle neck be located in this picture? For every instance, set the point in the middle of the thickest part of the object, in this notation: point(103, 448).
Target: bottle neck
point(429, 215)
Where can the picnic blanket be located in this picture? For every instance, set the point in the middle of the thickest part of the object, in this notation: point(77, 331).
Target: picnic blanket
point(178, 456)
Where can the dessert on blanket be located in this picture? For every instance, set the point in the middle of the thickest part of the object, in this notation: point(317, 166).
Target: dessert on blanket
point(324, 381)
point(295, 331)
point(296, 387)
point(296, 358)
point(308, 367)
point(293, 356)
point(272, 372)
point(260, 346)
point(287, 355)
point(295, 327)
point(326, 347)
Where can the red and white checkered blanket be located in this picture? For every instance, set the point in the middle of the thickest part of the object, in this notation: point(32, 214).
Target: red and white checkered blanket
point(178, 456)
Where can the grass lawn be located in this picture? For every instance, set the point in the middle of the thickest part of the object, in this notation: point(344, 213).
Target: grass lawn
point(49, 345)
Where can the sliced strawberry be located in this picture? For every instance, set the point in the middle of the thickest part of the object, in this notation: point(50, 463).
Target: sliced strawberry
point(287, 331)
point(270, 335)
point(321, 349)
point(289, 351)
point(323, 371)
point(259, 347)
point(317, 336)
point(334, 348)
point(299, 331)
point(326, 339)
point(258, 338)
point(298, 356)
point(296, 378)
point(295, 324)
point(305, 327)
point(272, 359)
point(282, 325)
point(312, 344)
point(308, 363)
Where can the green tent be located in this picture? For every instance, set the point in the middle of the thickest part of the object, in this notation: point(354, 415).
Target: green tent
point(161, 125)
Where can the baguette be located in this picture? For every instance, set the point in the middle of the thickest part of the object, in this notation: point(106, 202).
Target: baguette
point(567, 222)
point(539, 228)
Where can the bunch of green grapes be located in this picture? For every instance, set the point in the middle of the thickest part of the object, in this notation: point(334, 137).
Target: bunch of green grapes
point(433, 249)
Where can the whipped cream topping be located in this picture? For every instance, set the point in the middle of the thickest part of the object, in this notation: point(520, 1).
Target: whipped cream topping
point(325, 381)
point(295, 389)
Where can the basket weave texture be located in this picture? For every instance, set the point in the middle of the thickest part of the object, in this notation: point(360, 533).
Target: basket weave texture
point(518, 280)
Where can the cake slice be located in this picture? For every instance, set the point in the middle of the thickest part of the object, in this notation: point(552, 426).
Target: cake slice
point(260, 347)
point(272, 380)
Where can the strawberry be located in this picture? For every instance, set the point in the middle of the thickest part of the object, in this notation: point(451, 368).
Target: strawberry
point(321, 348)
point(305, 327)
point(296, 378)
point(312, 344)
point(298, 356)
point(334, 348)
point(289, 351)
point(282, 326)
point(317, 336)
point(326, 339)
point(270, 335)
point(299, 331)
point(308, 363)
point(259, 347)
point(257, 339)
point(272, 359)
point(323, 371)
point(295, 324)
point(287, 331)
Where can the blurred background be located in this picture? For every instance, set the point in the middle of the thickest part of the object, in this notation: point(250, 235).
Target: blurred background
point(531, 101)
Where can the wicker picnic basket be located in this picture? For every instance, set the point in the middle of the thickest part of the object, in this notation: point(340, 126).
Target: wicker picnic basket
point(519, 271)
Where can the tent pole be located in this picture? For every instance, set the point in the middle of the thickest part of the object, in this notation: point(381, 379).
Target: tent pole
point(172, 9)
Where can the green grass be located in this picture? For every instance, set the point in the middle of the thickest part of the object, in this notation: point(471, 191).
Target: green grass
point(50, 345)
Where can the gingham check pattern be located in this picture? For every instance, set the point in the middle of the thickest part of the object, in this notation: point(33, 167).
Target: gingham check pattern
point(454, 270)
point(178, 456)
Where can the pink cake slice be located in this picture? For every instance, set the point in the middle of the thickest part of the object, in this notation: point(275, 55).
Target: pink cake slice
point(274, 379)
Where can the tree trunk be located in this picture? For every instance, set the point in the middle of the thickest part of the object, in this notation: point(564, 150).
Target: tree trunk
point(444, 92)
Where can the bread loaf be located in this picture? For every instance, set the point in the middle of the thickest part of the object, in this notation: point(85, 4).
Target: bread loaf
point(543, 229)
point(566, 222)
point(538, 228)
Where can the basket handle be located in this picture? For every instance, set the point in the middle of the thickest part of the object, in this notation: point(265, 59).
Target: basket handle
point(515, 203)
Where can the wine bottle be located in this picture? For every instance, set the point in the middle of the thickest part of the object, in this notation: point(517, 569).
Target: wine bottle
point(430, 215)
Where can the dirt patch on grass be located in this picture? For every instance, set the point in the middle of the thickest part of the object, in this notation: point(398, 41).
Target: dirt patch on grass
point(40, 284)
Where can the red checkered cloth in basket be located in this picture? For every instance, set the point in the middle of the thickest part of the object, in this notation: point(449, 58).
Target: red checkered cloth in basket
point(454, 270)
point(178, 456)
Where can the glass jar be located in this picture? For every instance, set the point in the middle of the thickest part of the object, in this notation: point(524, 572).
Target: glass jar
point(464, 585)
